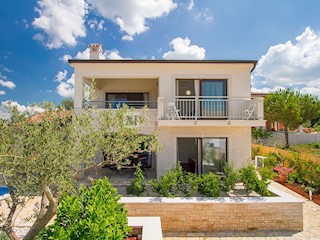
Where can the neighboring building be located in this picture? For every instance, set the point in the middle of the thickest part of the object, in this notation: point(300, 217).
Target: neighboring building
point(270, 126)
point(202, 110)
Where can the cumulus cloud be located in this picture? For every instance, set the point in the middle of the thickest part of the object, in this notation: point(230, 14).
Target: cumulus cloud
point(2, 92)
point(66, 85)
point(8, 84)
point(183, 50)
point(291, 64)
point(65, 58)
point(94, 24)
point(131, 16)
point(108, 54)
point(5, 107)
point(61, 20)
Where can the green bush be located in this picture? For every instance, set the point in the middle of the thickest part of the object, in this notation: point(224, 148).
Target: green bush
point(138, 184)
point(90, 213)
point(209, 185)
point(267, 173)
point(251, 181)
point(4, 236)
point(171, 184)
point(230, 178)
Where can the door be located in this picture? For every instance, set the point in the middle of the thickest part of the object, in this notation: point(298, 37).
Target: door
point(214, 101)
point(214, 155)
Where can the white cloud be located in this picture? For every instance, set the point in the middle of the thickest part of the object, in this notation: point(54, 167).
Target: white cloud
point(190, 5)
point(61, 20)
point(183, 50)
point(108, 54)
point(5, 107)
point(2, 92)
point(8, 84)
point(66, 86)
point(65, 58)
point(61, 75)
point(131, 15)
point(127, 38)
point(204, 14)
point(94, 24)
point(291, 64)
point(113, 54)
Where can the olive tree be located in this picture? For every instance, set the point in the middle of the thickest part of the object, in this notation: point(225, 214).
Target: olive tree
point(291, 108)
point(42, 154)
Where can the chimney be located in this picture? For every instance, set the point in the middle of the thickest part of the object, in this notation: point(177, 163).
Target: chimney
point(95, 51)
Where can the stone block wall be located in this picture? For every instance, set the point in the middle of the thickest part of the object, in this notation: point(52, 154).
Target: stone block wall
point(220, 214)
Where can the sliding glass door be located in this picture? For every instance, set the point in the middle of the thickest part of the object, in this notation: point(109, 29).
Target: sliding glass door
point(214, 102)
point(202, 155)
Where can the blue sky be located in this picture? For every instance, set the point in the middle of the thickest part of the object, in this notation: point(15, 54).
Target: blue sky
point(37, 37)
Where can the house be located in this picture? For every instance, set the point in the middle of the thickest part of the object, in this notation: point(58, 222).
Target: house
point(201, 110)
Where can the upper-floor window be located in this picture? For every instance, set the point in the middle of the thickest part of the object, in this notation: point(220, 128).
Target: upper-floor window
point(201, 87)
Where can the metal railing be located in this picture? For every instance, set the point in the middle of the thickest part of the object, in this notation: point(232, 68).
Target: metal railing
point(212, 107)
point(117, 104)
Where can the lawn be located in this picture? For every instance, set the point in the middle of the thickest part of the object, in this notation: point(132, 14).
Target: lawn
point(310, 148)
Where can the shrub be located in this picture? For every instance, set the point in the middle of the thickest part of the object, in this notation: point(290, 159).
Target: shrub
point(94, 213)
point(171, 184)
point(138, 185)
point(267, 173)
point(255, 151)
point(251, 181)
point(209, 185)
point(230, 178)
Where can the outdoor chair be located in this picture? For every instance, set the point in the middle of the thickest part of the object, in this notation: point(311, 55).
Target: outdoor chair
point(249, 111)
point(172, 111)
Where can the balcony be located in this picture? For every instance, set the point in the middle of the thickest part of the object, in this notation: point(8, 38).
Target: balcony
point(210, 110)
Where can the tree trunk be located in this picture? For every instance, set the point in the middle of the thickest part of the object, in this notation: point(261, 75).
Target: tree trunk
point(8, 225)
point(286, 134)
point(44, 217)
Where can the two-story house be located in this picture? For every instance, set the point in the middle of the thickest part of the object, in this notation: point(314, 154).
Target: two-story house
point(201, 110)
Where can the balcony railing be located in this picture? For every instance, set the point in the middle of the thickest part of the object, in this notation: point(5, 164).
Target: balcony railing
point(212, 107)
point(116, 104)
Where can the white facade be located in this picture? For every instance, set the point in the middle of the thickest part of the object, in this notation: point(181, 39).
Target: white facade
point(194, 116)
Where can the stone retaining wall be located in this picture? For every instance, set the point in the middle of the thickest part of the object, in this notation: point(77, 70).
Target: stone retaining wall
point(219, 214)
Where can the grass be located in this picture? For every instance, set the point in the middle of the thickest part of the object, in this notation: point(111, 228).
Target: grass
point(310, 148)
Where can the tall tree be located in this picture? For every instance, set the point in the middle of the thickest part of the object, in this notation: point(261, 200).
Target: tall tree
point(291, 108)
point(66, 104)
point(42, 154)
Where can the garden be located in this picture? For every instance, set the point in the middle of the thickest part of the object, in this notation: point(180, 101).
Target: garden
point(295, 170)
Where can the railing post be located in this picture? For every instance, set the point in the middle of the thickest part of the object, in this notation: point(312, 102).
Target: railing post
point(197, 105)
point(260, 110)
point(161, 108)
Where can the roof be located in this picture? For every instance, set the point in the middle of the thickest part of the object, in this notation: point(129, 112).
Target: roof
point(157, 61)
point(254, 62)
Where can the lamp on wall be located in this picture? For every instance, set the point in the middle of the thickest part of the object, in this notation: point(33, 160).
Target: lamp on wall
point(188, 92)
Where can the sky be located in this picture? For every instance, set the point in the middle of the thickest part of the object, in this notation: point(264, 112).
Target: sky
point(38, 37)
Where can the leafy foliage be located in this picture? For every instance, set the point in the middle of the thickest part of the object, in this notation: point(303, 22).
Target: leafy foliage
point(291, 108)
point(259, 134)
point(209, 185)
point(251, 181)
point(94, 213)
point(171, 184)
point(138, 184)
point(66, 104)
point(230, 179)
point(43, 153)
